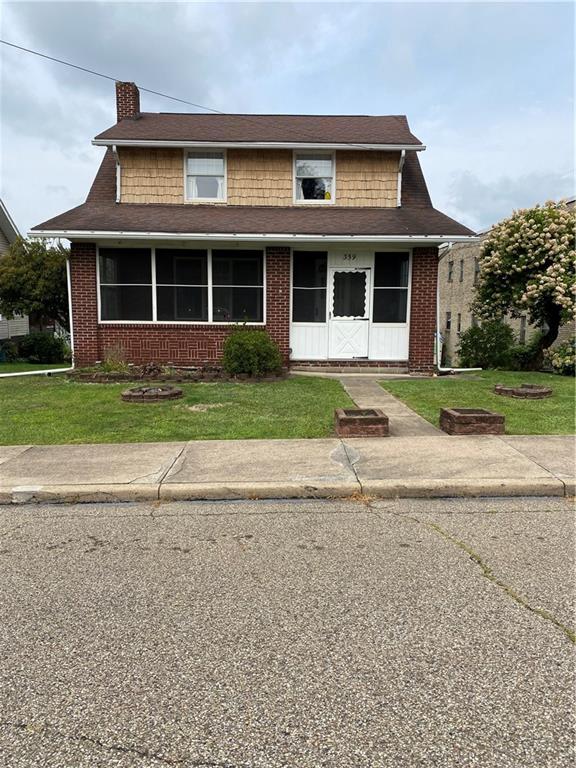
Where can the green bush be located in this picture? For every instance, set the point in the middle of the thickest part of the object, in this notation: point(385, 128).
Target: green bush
point(42, 348)
point(250, 352)
point(527, 357)
point(562, 359)
point(488, 345)
point(8, 351)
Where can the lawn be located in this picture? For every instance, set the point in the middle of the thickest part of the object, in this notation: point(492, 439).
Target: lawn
point(21, 367)
point(552, 416)
point(55, 410)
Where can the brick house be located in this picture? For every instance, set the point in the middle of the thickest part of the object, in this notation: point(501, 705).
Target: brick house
point(319, 229)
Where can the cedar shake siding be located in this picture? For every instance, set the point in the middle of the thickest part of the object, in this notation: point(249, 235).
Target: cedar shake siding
point(257, 177)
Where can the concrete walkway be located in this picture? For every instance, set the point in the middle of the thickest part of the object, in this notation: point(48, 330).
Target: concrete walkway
point(404, 422)
point(411, 467)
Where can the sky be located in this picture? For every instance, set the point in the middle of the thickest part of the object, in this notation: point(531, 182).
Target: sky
point(487, 87)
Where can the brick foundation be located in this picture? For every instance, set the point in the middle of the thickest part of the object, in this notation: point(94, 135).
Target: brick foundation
point(197, 344)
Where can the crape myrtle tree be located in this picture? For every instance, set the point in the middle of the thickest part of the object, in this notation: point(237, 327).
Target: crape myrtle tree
point(527, 267)
point(33, 281)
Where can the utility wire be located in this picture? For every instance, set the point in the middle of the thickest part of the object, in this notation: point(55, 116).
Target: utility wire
point(158, 93)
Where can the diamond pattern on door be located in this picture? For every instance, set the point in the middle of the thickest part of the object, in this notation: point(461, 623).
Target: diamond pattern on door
point(347, 339)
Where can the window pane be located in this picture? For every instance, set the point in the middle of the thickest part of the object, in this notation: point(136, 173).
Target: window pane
point(309, 305)
point(390, 305)
point(125, 265)
point(207, 186)
point(206, 163)
point(314, 165)
point(309, 269)
point(126, 302)
point(237, 304)
point(237, 268)
point(391, 270)
point(314, 189)
point(349, 298)
point(174, 266)
point(182, 303)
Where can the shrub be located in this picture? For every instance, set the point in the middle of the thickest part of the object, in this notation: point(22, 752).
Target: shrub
point(42, 348)
point(8, 351)
point(486, 346)
point(251, 352)
point(114, 361)
point(562, 359)
point(526, 357)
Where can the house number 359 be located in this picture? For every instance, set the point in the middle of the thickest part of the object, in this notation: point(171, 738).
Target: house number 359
point(349, 257)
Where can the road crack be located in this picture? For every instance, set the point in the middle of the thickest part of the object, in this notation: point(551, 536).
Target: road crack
point(142, 752)
point(489, 574)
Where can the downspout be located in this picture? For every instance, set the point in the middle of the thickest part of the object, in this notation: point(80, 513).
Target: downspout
point(438, 338)
point(69, 287)
point(118, 176)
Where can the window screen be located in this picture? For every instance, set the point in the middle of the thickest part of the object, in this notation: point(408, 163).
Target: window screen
point(391, 276)
point(181, 284)
point(314, 175)
point(309, 287)
point(205, 176)
point(125, 284)
point(237, 286)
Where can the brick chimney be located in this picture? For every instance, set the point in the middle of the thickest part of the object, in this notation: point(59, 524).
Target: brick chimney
point(127, 101)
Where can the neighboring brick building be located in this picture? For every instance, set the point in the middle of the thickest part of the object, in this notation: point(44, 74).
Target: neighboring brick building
point(318, 228)
point(16, 326)
point(457, 274)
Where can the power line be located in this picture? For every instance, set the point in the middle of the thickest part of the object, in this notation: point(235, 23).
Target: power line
point(158, 93)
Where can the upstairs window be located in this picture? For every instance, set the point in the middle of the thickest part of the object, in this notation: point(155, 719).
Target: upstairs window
point(206, 176)
point(313, 177)
point(450, 271)
point(448, 324)
point(391, 276)
point(461, 270)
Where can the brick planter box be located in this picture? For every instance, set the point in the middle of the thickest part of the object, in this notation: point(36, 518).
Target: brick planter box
point(471, 421)
point(524, 391)
point(361, 422)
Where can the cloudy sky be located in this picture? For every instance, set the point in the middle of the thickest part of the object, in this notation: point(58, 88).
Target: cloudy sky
point(488, 87)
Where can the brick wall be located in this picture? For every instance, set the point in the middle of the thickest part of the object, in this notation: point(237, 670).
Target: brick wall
point(127, 101)
point(182, 344)
point(423, 310)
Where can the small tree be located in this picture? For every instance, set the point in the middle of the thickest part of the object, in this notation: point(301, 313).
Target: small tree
point(527, 266)
point(33, 280)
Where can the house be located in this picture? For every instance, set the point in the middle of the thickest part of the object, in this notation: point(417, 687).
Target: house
point(319, 229)
point(17, 326)
point(457, 276)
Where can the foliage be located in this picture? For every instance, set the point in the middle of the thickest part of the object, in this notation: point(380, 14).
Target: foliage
point(33, 280)
point(562, 358)
point(486, 346)
point(527, 266)
point(41, 347)
point(114, 361)
point(251, 352)
point(524, 355)
point(8, 351)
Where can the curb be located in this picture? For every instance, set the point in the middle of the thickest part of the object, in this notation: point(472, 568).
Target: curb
point(384, 489)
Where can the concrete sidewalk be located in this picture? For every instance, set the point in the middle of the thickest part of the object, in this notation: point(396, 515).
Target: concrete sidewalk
point(409, 467)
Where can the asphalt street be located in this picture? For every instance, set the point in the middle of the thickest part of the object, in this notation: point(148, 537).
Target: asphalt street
point(349, 634)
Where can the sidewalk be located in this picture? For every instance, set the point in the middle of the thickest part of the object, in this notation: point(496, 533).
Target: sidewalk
point(405, 466)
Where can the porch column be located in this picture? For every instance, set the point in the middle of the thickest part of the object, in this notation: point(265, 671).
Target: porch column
point(423, 310)
point(278, 297)
point(84, 302)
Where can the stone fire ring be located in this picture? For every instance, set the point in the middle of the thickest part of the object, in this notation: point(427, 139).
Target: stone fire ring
point(524, 391)
point(151, 394)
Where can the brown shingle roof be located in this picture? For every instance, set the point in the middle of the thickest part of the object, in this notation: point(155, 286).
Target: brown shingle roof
point(199, 219)
point(316, 129)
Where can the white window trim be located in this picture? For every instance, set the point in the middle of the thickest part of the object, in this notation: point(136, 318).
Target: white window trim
point(153, 286)
point(408, 287)
point(205, 200)
point(327, 153)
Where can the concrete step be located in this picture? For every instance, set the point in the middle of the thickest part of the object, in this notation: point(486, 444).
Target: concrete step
point(353, 370)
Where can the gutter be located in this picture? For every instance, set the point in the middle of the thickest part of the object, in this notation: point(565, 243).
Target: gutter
point(249, 237)
point(399, 183)
point(438, 342)
point(118, 172)
point(256, 144)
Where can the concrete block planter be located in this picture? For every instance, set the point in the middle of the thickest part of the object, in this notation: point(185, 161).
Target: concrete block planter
point(524, 391)
point(471, 421)
point(361, 422)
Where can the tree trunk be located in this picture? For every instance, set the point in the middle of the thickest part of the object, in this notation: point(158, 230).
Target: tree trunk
point(553, 320)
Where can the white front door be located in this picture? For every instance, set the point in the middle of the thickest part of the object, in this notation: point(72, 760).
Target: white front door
point(348, 313)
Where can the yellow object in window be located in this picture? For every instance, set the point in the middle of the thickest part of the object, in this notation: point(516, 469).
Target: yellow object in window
point(327, 195)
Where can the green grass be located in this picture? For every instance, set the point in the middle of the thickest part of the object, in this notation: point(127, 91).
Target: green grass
point(552, 416)
point(54, 410)
point(21, 367)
